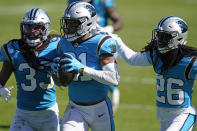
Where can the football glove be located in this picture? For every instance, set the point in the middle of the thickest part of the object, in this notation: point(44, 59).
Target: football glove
point(55, 65)
point(5, 93)
point(70, 64)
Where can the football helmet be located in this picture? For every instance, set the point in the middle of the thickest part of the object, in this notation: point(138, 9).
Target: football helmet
point(35, 26)
point(70, 1)
point(89, 1)
point(79, 19)
point(170, 32)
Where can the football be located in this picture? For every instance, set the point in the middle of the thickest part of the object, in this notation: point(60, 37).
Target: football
point(65, 78)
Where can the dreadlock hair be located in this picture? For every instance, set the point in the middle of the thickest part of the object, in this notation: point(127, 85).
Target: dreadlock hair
point(170, 58)
point(29, 53)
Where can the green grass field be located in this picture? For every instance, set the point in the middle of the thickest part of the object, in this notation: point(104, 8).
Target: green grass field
point(137, 110)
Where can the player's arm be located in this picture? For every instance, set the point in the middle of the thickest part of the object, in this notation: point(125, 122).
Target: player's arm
point(129, 56)
point(116, 19)
point(7, 67)
point(109, 74)
point(5, 74)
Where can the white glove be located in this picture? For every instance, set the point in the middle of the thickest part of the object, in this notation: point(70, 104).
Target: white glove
point(109, 28)
point(5, 93)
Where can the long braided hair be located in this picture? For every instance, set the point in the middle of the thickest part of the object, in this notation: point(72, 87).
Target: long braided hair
point(29, 53)
point(170, 58)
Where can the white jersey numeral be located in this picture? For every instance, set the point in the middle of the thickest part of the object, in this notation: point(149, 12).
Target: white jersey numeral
point(174, 96)
point(30, 77)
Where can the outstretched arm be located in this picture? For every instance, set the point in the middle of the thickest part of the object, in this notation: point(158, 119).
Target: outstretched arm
point(129, 56)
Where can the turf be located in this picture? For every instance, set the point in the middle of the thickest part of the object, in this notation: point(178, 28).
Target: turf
point(137, 110)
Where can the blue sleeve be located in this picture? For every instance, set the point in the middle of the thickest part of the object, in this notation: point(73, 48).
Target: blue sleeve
point(3, 54)
point(109, 3)
point(60, 48)
point(193, 72)
point(148, 57)
point(108, 47)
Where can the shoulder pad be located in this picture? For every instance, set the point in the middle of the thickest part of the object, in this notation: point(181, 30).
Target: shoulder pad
point(107, 45)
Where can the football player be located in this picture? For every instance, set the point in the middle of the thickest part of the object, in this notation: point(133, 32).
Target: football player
point(30, 58)
point(175, 66)
point(106, 10)
point(92, 59)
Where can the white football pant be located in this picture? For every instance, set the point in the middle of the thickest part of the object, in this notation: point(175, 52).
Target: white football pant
point(98, 117)
point(177, 119)
point(44, 120)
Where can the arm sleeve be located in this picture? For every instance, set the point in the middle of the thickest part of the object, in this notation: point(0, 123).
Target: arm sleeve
point(109, 74)
point(4, 55)
point(131, 57)
point(191, 69)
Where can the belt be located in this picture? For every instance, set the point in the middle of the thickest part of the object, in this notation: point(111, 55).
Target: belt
point(89, 103)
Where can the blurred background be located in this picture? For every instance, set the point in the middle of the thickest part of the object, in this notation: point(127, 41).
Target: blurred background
point(137, 111)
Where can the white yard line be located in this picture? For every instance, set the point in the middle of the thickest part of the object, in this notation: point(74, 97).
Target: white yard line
point(143, 80)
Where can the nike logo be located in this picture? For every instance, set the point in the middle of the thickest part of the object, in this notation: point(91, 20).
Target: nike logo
point(101, 115)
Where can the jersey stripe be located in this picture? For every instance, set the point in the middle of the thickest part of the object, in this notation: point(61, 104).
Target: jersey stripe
point(189, 67)
point(189, 122)
point(101, 43)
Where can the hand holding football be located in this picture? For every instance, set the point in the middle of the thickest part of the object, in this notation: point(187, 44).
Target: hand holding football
point(65, 78)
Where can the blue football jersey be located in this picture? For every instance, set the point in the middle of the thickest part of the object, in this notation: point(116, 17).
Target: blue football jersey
point(175, 86)
point(100, 6)
point(85, 89)
point(35, 88)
